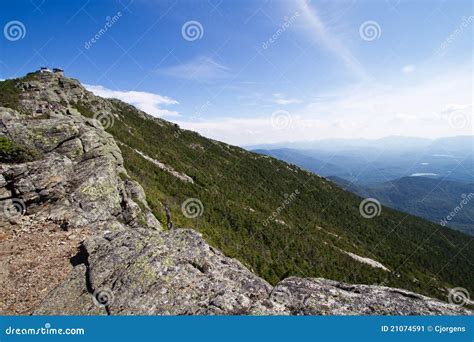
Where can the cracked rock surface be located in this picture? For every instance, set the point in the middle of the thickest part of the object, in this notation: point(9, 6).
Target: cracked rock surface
point(158, 273)
point(318, 296)
point(78, 180)
point(102, 251)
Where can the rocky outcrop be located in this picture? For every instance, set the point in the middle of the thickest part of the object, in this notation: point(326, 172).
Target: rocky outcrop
point(307, 296)
point(123, 262)
point(144, 272)
point(78, 181)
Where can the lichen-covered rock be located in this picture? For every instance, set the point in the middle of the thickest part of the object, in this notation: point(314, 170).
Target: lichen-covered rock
point(146, 272)
point(308, 296)
point(77, 182)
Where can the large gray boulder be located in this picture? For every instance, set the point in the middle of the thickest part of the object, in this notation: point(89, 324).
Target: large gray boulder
point(144, 272)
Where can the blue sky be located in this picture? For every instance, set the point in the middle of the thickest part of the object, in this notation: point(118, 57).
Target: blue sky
point(249, 72)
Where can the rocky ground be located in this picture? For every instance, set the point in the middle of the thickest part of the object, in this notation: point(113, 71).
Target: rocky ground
point(84, 240)
point(35, 258)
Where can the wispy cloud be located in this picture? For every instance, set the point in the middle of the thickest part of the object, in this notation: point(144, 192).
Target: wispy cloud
point(281, 99)
point(265, 100)
point(318, 29)
point(148, 102)
point(201, 68)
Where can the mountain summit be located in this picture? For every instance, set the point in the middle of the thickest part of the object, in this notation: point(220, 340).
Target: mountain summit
point(94, 194)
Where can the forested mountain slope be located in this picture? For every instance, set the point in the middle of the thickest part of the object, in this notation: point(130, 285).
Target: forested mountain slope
point(440, 201)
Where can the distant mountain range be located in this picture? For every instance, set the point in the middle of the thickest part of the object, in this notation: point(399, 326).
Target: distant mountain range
point(430, 198)
point(419, 176)
point(368, 162)
point(460, 145)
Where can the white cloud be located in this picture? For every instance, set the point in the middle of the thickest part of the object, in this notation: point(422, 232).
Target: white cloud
point(201, 68)
point(435, 107)
point(281, 99)
point(407, 69)
point(148, 102)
